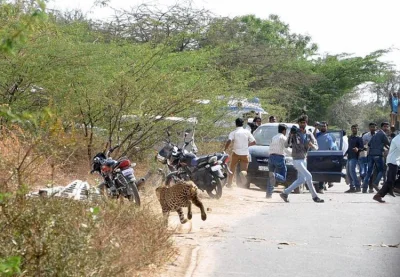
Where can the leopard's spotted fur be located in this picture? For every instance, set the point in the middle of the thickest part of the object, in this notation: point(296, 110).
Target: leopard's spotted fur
point(179, 195)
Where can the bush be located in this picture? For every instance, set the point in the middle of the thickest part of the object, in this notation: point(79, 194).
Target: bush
point(61, 237)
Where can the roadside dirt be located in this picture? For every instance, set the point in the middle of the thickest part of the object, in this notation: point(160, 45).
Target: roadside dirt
point(193, 238)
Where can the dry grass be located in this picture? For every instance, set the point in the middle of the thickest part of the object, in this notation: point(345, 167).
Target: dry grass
point(18, 162)
point(60, 237)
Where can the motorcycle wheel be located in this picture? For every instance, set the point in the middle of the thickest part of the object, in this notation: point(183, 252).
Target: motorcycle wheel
point(217, 191)
point(134, 197)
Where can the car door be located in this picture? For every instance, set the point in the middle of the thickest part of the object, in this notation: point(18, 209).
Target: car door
point(326, 165)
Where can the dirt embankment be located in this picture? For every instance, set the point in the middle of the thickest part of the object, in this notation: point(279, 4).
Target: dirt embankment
point(192, 238)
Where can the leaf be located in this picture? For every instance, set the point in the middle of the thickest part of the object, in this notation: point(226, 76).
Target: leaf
point(95, 210)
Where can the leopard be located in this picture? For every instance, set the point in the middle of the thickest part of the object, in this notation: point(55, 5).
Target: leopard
point(180, 195)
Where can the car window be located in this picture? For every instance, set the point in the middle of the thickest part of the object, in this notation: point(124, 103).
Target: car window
point(337, 136)
point(264, 134)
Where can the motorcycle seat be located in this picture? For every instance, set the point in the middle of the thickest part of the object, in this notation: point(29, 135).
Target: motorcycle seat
point(199, 160)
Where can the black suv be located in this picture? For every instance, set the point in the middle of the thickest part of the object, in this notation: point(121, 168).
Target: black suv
point(325, 166)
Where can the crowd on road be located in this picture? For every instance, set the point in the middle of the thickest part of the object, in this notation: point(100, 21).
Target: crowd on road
point(375, 153)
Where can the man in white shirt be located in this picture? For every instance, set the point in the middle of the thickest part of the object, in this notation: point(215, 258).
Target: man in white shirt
point(241, 139)
point(393, 163)
point(276, 162)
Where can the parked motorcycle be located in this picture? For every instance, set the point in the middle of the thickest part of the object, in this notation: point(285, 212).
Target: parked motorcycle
point(118, 175)
point(170, 153)
point(207, 172)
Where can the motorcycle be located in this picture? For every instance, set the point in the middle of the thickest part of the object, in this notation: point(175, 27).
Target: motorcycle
point(169, 155)
point(207, 172)
point(119, 179)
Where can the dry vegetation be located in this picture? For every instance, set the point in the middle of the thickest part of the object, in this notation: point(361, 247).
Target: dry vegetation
point(61, 237)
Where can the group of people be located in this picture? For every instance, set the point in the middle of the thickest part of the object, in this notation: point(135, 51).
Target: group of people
point(375, 151)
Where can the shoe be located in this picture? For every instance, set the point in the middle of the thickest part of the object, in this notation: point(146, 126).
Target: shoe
point(351, 190)
point(364, 190)
point(378, 198)
point(285, 197)
point(321, 191)
point(318, 200)
point(396, 190)
point(358, 189)
point(229, 186)
point(391, 193)
point(268, 196)
point(330, 185)
point(371, 191)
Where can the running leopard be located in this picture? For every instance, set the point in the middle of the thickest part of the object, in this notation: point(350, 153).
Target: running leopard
point(182, 194)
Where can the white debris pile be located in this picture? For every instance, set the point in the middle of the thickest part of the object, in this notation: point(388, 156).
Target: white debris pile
point(77, 190)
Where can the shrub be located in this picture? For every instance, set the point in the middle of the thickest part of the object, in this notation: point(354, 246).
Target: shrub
point(61, 237)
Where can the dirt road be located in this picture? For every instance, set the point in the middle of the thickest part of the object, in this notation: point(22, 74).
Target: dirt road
point(248, 235)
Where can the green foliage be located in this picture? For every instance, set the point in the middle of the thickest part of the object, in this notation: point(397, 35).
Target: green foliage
point(10, 266)
point(17, 22)
point(118, 78)
point(338, 76)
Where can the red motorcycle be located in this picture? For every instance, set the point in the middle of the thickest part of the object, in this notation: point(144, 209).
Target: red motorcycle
point(118, 175)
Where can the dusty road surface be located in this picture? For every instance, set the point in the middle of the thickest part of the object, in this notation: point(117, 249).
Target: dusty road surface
point(248, 235)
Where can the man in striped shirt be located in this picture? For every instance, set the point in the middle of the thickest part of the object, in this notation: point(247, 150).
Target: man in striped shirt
point(276, 162)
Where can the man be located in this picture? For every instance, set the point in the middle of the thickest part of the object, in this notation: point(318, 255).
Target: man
point(394, 106)
point(254, 125)
point(393, 163)
point(241, 139)
point(375, 156)
point(301, 140)
point(355, 147)
point(276, 162)
point(345, 148)
point(366, 139)
point(362, 160)
point(272, 119)
point(325, 141)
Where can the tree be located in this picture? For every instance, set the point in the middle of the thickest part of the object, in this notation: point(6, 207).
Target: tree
point(18, 21)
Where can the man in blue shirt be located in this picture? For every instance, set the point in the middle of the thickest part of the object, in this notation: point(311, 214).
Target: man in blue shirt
point(375, 156)
point(356, 145)
point(394, 107)
point(325, 142)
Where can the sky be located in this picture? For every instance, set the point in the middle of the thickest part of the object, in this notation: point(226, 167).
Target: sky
point(357, 27)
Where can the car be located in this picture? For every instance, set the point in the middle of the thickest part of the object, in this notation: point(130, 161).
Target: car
point(325, 166)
